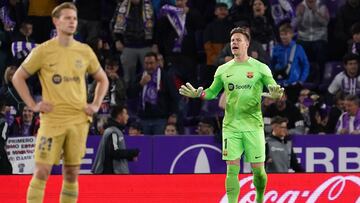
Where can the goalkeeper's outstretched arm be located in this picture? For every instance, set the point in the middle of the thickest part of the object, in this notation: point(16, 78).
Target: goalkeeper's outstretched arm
point(210, 93)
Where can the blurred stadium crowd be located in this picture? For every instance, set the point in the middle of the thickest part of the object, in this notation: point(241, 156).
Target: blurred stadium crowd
point(149, 48)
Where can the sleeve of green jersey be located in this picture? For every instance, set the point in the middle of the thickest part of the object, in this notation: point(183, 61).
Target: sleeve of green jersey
point(267, 77)
point(214, 89)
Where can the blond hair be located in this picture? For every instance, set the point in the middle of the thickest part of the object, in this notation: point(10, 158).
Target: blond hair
point(57, 10)
point(286, 27)
point(242, 31)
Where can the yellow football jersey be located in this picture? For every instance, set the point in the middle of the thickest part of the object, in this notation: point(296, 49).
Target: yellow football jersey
point(62, 71)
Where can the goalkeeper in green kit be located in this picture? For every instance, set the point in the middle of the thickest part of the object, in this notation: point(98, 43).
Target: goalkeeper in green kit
point(243, 79)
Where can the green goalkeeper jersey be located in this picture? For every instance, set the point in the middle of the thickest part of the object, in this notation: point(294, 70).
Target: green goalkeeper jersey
point(243, 85)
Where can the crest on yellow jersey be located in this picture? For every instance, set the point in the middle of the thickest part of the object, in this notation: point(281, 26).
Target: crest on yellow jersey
point(78, 63)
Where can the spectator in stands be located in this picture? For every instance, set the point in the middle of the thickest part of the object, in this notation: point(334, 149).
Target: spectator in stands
point(312, 19)
point(8, 91)
point(282, 11)
point(117, 91)
point(157, 4)
point(240, 11)
point(102, 48)
point(133, 27)
point(349, 121)
point(39, 13)
point(284, 108)
point(266, 103)
point(152, 88)
point(347, 81)
point(347, 15)
point(160, 61)
point(170, 129)
point(107, 13)
point(216, 33)
point(116, 94)
point(318, 114)
point(289, 64)
point(205, 7)
point(112, 155)
point(173, 119)
point(206, 126)
point(4, 50)
point(89, 15)
point(354, 43)
point(335, 112)
point(24, 33)
point(12, 14)
point(255, 49)
point(5, 165)
point(177, 42)
point(25, 125)
point(262, 25)
point(280, 156)
point(22, 42)
point(135, 129)
point(303, 103)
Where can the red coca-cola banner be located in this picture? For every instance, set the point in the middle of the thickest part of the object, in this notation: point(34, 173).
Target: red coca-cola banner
point(282, 188)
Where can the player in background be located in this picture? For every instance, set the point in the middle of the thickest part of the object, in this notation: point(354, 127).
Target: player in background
point(243, 79)
point(61, 64)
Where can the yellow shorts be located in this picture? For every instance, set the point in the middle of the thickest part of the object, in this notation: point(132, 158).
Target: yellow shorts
point(54, 142)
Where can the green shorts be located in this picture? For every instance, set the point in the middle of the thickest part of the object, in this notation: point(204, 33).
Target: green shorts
point(252, 143)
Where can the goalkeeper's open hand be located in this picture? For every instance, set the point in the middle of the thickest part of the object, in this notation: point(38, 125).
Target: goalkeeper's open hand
point(275, 92)
point(189, 91)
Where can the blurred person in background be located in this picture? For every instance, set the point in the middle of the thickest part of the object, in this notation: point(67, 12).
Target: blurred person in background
point(170, 129)
point(206, 126)
point(349, 121)
point(9, 93)
point(284, 108)
point(132, 28)
point(5, 165)
point(290, 64)
point(335, 112)
point(112, 155)
point(153, 94)
point(354, 42)
point(280, 156)
point(27, 124)
point(347, 81)
point(312, 19)
point(135, 129)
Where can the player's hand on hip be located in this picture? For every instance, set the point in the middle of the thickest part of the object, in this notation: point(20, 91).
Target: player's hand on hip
point(275, 92)
point(90, 109)
point(189, 91)
point(43, 107)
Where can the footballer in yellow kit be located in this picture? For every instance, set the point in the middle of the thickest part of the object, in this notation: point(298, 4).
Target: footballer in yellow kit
point(62, 71)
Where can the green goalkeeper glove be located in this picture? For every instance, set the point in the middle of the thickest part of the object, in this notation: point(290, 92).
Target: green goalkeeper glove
point(189, 91)
point(275, 92)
